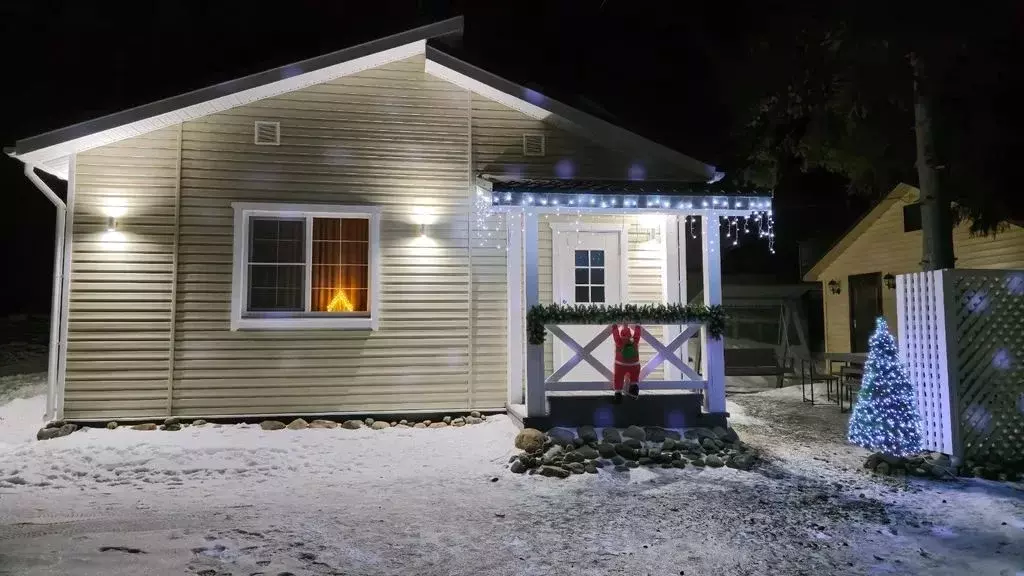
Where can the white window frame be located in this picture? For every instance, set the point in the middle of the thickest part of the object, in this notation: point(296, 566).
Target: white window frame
point(244, 211)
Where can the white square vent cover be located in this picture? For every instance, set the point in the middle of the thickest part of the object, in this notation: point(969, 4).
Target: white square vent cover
point(267, 133)
point(533, 144)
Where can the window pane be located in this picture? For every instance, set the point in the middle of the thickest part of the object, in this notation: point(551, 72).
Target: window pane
point(275, 287)
point(912, 217)
point(597, 275)
point(582, 294)
point(340, 274)
point(582, 258)
point(597, 294)
point(582, 276)
point(597, 257)
point(276, 240)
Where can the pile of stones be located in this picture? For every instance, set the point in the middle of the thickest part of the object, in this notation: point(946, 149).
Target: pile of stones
point(59, 428)
point(938, 465)
point(562, 452)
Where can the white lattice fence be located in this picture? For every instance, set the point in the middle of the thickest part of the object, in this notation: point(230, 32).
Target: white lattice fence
point(961, 334)
point(924, 349)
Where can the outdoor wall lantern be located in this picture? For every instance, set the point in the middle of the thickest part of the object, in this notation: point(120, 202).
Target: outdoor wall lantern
point(890, 281)
point(834, 287)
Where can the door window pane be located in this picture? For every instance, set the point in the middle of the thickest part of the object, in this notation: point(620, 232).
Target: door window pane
point(597, 294)
point(582, 294)
point(597, 257)
point(582, 258)
point(597, 276)
point(583, 275)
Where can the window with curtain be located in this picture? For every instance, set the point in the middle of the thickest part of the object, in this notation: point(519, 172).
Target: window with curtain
point(304, 267)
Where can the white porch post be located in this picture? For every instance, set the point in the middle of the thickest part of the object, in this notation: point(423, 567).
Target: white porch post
point(674, 287)
point(516, 312)
point(713, 358)
point(536, 399)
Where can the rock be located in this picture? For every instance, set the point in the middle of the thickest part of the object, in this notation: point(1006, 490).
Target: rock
point(368, 421)
point(666, 465)
point(352, 424)
point(872, 462)
point(447, 419)
point(473, 420)
point(590, 468)
point(635, 432)
point(588, 453)
point(459, 419)
point(562, 436)
point(577, 442)
point(882, 468)
point(606, 450)
point(199, 422)
point(714, 461)
point(625, 451)
point(530, 440)
point(51, 433)
point(698, 462)
point(632, 464)
point(618, 461)
point(112, 425)
point(438, 425)
point(668, 444)
point(528, 460)
point(741, 461)
point(298, 424)
point(151, 426)
point(458, 423)
point(554, 472)
point(55, 424)
point(709, 444)
point(621, 468)
point(726, 435)
point(393, 424)
point(587, 434)
point(419, 425)
point(611, 435)
point(171, 427)
point(575, 467)
point(655, 434)
point(403, 422)
point(380, 425)
point(574, 456)
point(645, 461)
point(427, 422)
point(475, 414)
point(326, 424)
point(403, 426)
point(171, 420)
point(679, 463)
point(552, 453)
point(518, 467)
point(633, 443)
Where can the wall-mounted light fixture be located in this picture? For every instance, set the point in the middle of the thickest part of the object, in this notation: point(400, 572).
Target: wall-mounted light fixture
point(423, 229)
point(111, 224)
point(834, 286)
point(890, 281)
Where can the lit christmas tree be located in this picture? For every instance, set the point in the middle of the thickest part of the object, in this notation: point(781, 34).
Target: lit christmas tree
point(885, 418)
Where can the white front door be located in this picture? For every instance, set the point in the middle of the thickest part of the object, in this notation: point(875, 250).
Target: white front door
point(587, 270)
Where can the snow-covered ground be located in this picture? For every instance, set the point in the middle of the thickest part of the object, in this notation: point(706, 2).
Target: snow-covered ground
point(236, 500)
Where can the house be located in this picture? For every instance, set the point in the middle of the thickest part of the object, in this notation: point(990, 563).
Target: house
point(362, 233)
point(858, 273)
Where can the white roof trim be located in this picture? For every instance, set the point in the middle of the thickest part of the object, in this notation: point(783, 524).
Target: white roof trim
point(473, 85)
point(53, 159)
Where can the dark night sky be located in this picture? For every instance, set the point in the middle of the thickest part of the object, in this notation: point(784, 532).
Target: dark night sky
point(72, 61)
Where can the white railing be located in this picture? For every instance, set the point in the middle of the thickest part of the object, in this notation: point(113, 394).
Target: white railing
point(664, 352)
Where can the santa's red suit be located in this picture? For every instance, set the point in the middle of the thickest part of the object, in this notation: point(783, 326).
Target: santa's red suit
point(627, 356)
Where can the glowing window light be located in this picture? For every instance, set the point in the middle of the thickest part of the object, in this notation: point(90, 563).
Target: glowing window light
point(340, 303)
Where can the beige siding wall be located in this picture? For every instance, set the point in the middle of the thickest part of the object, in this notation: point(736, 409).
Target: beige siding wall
point(119, 315)
point(887, 249)
point(391, 136)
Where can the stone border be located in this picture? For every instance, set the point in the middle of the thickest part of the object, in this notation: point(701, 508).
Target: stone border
point(561, 452)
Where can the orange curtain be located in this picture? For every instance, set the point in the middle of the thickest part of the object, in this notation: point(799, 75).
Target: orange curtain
point(340, 275)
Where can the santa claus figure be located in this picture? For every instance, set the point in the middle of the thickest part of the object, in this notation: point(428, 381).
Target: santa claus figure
point(627, 361)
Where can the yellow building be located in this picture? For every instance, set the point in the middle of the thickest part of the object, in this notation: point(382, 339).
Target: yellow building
point(857, 274)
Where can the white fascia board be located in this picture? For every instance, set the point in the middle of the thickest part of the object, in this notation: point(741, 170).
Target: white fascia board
point(51, 158)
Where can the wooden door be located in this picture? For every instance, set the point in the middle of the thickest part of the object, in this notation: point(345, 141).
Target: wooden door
point(865, 307)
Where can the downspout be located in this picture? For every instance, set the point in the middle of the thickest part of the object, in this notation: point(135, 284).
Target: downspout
point(57, 291)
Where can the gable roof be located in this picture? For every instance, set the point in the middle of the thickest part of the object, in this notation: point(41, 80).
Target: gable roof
point(51, 151)
point(858, 229)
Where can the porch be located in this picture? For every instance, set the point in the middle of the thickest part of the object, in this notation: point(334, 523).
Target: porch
point(619, 248)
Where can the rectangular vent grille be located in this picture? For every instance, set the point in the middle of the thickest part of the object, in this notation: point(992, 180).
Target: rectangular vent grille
point(533, 144)
point(267, 133)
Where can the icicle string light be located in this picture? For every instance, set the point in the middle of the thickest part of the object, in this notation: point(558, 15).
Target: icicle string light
point(885, 418)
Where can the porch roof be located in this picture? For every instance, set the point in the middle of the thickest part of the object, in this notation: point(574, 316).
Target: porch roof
point(619, 195)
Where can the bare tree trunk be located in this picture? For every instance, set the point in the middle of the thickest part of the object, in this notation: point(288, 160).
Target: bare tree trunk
point(936, 216)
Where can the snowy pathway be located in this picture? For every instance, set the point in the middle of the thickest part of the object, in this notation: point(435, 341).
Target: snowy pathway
point(237, 500)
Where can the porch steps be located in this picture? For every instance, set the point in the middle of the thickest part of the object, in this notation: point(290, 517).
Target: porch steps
point(669, 410)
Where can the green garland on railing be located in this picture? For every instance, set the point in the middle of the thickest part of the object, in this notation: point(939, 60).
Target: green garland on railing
point(538, 316)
